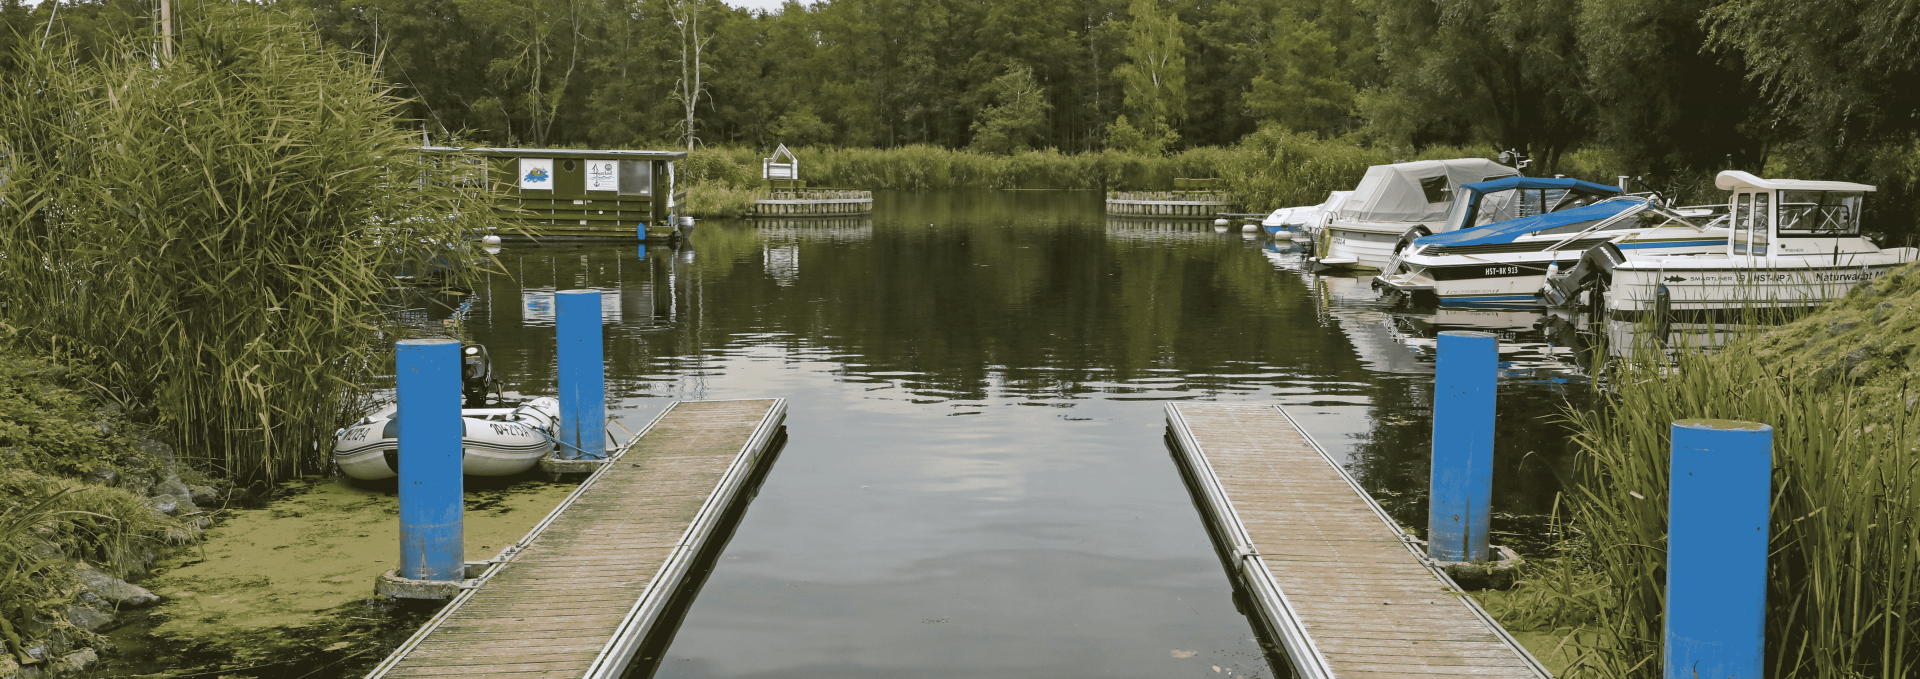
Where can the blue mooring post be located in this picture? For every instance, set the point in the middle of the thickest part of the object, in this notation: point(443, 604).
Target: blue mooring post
point(428, 385)
point(583, 378)
point(1717, 549)
point(1461, 497)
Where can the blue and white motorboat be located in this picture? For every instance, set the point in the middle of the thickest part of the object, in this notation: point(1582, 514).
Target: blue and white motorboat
point(1503, 264)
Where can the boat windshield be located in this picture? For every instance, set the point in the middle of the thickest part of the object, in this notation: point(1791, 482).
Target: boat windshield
point(1820, 213)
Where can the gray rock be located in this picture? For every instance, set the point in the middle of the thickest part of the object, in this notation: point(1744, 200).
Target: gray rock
point(159, 451)
point(103, 475)
point(138, 483)
point(1840, 326)
point(166, 505)
point(172, 485)
point(1882, 312)
point(113, 590)
point(105, 428)
point(88, 618)
point(77, 661)
point(203, 495)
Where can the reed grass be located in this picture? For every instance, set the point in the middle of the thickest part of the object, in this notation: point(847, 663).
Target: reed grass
point(1844, 565)
point(215, 231)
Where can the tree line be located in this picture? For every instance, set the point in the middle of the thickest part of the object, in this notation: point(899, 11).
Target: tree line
point(1658, 85)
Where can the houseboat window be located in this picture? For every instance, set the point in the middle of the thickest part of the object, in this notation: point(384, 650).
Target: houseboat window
point(1820, 213)
point(636, 177)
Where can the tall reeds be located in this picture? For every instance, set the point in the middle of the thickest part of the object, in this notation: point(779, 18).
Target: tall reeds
point(1269, 169)
point(215, 231)
point(1844, 587)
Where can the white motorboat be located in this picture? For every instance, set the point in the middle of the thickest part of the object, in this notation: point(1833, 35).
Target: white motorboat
point(1395, 201)
point(497, 442)
point(1504, 264)
point(1792, 244)
point(1300, 223)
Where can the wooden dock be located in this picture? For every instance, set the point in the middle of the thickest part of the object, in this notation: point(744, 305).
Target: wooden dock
point(1335, 581)
point(581, 592)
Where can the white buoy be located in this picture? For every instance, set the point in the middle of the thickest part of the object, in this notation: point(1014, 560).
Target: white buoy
point(489, 239)
point(1220, 222)
point(1250, 228)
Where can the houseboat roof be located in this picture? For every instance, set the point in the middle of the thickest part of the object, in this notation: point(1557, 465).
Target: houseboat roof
point(1735, 179)
point(584, 154)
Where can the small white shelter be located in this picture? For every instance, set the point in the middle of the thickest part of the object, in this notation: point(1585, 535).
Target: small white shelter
point(782, 166)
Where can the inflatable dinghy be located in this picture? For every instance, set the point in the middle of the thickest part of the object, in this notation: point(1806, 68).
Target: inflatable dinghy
point(498, 441)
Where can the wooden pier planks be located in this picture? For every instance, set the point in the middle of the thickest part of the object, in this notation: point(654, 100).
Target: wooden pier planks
point(585, 586)
point(1333, 577)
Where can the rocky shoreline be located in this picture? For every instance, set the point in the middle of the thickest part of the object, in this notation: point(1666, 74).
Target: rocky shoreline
point(97, 500)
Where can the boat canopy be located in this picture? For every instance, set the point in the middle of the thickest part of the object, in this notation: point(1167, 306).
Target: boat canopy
point(1416, 192)
point(1472, 211)
point(1507, 231)
point(1734, 179)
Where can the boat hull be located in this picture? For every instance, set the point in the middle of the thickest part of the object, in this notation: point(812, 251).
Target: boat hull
point(369, 450)
point(1348, 246)
point(1719, 284)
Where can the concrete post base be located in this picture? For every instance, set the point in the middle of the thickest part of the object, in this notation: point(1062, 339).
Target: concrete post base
point(1496, 574)
point(391, 584)
point(554, 466)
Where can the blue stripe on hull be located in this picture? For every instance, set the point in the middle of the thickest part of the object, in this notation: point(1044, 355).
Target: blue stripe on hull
point(1670, 244)
point(1491, 300)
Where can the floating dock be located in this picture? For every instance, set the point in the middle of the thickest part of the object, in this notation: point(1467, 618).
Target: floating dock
point(813, 202)
point(1192, 199)
point(1335, 581)
point(580, 593)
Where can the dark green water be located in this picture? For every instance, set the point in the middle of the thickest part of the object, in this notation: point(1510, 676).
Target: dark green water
point(975, 482)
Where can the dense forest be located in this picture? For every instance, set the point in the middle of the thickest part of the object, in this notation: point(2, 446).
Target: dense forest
point(1659, 84)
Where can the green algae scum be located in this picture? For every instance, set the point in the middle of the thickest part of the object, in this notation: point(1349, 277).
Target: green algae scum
point(290, 585)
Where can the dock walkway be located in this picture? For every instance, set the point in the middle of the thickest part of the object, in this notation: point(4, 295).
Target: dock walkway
point(1336, 582)
point(577, 596)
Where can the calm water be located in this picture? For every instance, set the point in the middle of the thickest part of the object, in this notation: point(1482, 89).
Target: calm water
point(975, 482)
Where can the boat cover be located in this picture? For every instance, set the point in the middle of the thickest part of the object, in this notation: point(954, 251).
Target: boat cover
point(1416, 192)
point(1501, 207)
point(1506, 232)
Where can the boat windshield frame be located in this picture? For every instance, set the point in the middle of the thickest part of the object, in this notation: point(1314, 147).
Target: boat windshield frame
point(1832, 214)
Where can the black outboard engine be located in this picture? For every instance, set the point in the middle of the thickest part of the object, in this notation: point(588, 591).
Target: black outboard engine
point(476, 375)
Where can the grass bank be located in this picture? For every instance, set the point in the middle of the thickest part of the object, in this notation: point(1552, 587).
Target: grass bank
point(1845, 537)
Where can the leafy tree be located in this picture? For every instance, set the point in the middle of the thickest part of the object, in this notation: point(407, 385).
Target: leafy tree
point(1500, 72)
point(1840, 72)
point(1018, 116)
point(1661, 101)
point(1155, 75)
point(1300, 85)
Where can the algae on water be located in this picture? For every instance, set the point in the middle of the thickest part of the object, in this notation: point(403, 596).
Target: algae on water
point(290, 571)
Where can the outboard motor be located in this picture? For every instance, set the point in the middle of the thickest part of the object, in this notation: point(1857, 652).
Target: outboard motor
point(476, 375)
